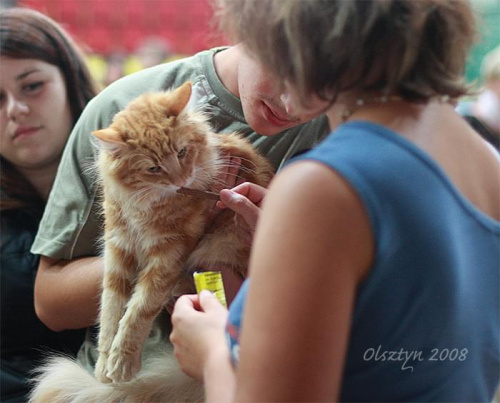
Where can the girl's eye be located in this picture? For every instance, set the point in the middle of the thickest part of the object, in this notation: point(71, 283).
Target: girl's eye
point(181, 153)
point(32, 87)
point(154, 169)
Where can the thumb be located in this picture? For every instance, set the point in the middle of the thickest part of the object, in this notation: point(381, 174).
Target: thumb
point(209, 301)
point(241, 205)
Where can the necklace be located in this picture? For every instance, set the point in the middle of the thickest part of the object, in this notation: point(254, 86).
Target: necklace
point(361, 102)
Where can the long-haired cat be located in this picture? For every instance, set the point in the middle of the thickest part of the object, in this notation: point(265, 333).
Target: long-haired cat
point(153, 235)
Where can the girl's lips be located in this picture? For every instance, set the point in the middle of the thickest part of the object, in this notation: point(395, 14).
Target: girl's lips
point(24, 132)
point(272, 117)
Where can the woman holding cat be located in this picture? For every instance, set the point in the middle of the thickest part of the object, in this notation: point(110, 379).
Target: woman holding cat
point(374, 273)
point(44, 86)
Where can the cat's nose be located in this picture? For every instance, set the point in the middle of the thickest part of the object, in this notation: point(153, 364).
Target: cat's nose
point(184, 181)
point(181, 183)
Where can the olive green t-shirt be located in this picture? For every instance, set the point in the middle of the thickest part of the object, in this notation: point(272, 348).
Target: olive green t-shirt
point(72, 226)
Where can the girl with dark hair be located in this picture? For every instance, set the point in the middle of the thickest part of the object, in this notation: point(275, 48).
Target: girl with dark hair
point(44, 87)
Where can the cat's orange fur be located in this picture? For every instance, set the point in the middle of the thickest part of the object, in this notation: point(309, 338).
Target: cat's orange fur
point(152, 148)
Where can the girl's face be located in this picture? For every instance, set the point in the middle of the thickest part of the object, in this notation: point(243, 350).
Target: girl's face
point(35, 115)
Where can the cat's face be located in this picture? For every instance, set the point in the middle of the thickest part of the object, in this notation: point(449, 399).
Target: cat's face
point(154, 145)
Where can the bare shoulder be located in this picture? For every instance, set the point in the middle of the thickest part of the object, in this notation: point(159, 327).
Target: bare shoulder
point(312, 180)
point(311, 184)
point(319, 207)
point(471, 164)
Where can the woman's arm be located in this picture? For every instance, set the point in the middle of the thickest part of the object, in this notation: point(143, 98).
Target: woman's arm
point(67, 293)
point(219, 377)
point(313, 246)
point(200, 344)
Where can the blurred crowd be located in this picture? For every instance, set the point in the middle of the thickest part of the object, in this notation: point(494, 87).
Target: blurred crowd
point(151, 51)
point(483, 111)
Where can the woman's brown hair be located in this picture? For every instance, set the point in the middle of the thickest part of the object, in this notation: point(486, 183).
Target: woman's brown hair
point(415, 49)
point(28, 34)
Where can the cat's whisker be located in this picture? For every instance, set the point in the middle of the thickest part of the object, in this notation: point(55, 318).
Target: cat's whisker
point(239, 174)
point(242, 167)
point(248, 161)
point(228, 158)
point(242, 173)
point(222, 182)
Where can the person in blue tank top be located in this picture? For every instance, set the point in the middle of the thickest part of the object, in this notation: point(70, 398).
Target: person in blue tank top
point(375, 266)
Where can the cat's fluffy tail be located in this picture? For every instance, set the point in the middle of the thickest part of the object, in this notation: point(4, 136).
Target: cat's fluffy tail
point(61, 379)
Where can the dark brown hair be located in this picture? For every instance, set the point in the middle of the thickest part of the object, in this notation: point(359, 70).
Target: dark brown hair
point(28, 34)
point(415, 49)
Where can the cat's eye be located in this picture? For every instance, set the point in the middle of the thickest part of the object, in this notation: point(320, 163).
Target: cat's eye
point(181, 153)
point(154, 169)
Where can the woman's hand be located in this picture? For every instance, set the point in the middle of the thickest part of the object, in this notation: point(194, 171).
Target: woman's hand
point(198, 333)
point(246, 201)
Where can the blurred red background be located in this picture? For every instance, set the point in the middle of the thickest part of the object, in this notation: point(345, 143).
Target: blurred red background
point(108, 26)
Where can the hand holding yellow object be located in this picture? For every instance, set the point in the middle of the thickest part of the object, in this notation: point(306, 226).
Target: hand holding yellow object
point(211, 281)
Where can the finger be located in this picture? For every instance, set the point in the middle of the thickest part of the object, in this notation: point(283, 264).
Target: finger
point(241, 205)
point(244, 189)
point(220, 204)
point(209, 302)
point(187, 302)
point(251, 191)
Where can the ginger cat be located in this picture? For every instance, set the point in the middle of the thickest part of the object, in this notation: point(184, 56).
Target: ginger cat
point(151, 149)
point(155, 237)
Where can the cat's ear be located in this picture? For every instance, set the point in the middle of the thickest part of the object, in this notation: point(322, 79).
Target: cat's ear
point(180, 98)
point(109, 139)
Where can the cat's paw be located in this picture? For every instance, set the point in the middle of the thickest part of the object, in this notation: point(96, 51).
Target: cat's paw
point(123, 367)
point(100, 370)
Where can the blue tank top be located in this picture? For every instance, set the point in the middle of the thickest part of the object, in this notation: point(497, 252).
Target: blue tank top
point(426, 321)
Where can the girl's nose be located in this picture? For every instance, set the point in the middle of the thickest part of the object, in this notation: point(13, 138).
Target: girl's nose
point(16, 108)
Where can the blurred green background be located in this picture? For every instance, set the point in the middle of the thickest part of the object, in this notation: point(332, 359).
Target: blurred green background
point(489, 29)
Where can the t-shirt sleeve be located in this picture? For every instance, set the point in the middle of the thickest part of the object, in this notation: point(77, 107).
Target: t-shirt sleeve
point(70, 226)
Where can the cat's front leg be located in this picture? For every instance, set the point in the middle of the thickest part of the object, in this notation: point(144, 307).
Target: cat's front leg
point(150, 295)
point(117, 284)
point(125, 356)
